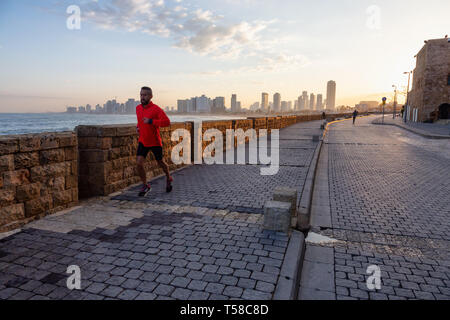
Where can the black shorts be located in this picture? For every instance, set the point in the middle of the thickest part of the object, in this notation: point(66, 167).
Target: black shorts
point(143, 151)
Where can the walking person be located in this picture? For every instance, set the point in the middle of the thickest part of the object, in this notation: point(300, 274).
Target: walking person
point(150, 118)
point(355, 114)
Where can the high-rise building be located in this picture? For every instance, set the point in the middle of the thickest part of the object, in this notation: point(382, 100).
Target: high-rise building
point(312, 101)
point(203, 104)
point(218, 104)
point(233, 103)
point(331, 95)
point(289, 106)
point(284, 106)
point(182, 106)
point(88, 108)
point(238, 106)
point(264, 101)
point(305, 99)
point(276, 102)
point(319, 102)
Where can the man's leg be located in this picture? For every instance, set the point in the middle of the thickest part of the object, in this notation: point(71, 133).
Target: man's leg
point(165, 167)
point(140, 169)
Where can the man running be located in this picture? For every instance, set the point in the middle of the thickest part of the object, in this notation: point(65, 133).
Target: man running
point(355, 114)
point(150, 118)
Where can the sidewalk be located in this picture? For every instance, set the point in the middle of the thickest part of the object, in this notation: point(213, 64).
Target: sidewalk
point(382, 204)
point(202, 241)
point(427, 130)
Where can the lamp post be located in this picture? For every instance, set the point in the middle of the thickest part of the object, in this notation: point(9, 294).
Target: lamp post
point(407, 95)
point(395, 101)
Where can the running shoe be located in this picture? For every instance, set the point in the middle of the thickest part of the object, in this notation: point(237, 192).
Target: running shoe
point(145, 189)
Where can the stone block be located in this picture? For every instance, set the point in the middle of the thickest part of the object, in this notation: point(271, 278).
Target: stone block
point(71, 181)
point(126, 130)
point(51, 156)
point(11, 213)
point(49, 141)
point(7, 163)
point(74, 194)
point(9, 144)
point(70, 154)
point(7, 196)
point(285, 194)
point(68, 139)
point(41, 173)
point(37, 206)
point(28, 191)
point(277, 216)
point(16, 178)
point(29, 143)
point(56, 183)
point(26, 160)
point(74, 167)
point(61, 198)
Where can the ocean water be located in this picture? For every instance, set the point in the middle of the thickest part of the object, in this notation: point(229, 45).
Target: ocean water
point(19, 123)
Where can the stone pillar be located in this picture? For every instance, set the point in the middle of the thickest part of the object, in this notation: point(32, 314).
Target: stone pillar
point(277, 216)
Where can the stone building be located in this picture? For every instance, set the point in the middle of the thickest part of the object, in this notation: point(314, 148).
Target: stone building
point(429, 99)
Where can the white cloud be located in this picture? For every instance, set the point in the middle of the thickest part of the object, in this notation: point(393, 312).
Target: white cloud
point(198, 31)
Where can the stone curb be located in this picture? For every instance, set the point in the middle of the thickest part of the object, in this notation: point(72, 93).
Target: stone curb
point(289, 279)
point(416, 131)
point(304, 208)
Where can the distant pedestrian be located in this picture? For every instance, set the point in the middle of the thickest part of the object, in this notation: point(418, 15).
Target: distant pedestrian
point(403, 111)
point(324, 116)
point(355, 114)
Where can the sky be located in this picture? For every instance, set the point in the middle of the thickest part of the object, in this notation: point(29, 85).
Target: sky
point(185, 48)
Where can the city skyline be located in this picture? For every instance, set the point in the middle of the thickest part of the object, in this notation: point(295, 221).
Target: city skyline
point(215, 47)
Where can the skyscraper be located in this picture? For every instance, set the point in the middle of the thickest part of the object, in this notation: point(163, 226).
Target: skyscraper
point(331, 95)
point(319, 102)
point(219, 104)
point(264, 101)
point(234, 103)
point(276, 102)
point(312, 101)
point(305, 99)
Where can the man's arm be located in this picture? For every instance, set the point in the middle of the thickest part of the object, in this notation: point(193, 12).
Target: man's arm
point(162, 120)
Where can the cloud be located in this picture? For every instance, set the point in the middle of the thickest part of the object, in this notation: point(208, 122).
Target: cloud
point(198, 31)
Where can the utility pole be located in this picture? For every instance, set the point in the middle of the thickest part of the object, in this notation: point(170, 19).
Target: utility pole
point(395, 101)
point(407, 96)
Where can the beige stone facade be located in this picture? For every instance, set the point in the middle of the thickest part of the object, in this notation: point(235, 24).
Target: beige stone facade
point(429, 98)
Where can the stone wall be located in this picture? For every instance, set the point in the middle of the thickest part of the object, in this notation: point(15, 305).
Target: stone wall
point(44, 173)
point(38, 176)
point(108, 157)
point(430, 87)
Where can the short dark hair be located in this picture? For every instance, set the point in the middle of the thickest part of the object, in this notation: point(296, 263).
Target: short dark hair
point(147, 88)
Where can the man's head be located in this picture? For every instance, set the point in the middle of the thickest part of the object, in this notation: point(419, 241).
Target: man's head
point(146, 95)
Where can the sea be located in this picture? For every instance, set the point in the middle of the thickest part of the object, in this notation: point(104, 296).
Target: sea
point(21, 123)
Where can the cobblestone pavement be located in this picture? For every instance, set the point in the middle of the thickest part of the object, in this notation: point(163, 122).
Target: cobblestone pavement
point(181, 249)
point(390, 208)
point(239, 188)
point(430, 128)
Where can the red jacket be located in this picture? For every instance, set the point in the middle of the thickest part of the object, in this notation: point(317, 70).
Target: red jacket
point(149, 133)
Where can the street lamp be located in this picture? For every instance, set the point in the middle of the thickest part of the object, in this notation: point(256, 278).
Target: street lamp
point(407, 95)
point(395, 100)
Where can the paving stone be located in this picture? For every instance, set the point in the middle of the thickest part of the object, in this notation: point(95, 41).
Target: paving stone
point(128, 295)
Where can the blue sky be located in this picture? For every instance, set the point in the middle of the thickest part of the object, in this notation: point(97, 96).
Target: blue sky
point(188, 48)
